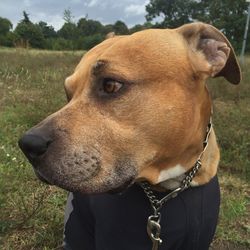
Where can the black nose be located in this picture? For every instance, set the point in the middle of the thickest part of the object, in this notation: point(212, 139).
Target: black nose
point(33, 145)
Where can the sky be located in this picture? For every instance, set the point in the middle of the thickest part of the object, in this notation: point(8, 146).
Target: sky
point(51, 11)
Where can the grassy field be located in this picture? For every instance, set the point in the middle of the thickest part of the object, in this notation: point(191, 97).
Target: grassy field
point(31, 214)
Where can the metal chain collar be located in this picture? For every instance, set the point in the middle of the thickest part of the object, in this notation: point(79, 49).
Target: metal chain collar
point(153, 226)
point(155, 202)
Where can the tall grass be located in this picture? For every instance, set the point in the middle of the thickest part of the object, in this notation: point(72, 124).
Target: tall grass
point(31, 87)
point(232, 122)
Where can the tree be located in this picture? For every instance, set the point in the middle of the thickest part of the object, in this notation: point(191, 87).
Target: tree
point(62, 44)
point(136, 28)
point(26, 17)
point(88, 27)
point(48, 31)
point(174, 12)
point(5, 27)
point(29, 34)
point(229, 16)
point(67, 16)
point(108, 28)
point(69, 31)
point(9, 39)
point(120, 28)
point(139, 27)
point(89, 42)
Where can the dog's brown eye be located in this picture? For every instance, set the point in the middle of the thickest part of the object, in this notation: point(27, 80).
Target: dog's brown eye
point(111, 86)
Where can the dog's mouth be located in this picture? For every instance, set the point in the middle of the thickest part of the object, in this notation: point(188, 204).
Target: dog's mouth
point(116, 179)
point(43, 178)
point(121, 189)
point(118, 190)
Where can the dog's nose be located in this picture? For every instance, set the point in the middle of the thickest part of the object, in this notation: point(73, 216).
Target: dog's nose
point(33, 145)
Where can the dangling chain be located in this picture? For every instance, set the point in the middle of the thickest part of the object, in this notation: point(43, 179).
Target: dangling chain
point(153, 226)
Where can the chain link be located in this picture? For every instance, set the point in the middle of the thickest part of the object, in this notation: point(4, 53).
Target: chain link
point(158, 203)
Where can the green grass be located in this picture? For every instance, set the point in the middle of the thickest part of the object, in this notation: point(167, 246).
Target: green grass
point(31, 87)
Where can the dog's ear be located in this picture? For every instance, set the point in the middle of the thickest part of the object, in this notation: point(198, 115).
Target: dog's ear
point(210, 52)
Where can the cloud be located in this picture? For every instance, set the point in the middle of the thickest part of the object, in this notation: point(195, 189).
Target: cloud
point(136, 9)
point(76, 1)
point(27, 3)
point(92, 3)
point(107, 11)
point(97, 4)
point(56, 21)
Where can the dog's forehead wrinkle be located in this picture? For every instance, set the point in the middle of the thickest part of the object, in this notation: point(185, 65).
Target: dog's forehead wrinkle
point(98, 66)
point(94, 54)
point(133, 56)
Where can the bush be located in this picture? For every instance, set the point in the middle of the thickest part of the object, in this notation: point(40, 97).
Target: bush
point(8, 40)
point(30, 34)
point(61, 44)
point(91, 41)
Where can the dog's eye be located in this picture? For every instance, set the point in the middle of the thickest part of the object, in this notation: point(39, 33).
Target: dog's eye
point(111, 86)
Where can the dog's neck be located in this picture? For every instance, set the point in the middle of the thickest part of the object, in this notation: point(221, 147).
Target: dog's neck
point(172, 178)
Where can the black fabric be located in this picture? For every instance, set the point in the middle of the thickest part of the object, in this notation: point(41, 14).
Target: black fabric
point(118, 222)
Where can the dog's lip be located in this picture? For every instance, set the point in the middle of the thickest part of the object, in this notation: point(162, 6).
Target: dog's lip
point(43, 178)
point(121, 189)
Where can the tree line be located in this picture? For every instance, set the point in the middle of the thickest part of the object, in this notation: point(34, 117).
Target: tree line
point(83, 34)
point(227, 15)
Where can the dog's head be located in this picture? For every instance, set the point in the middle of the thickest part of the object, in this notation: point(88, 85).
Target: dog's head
point(137, 105)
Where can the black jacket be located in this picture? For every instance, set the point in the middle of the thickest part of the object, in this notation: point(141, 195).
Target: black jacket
point(118, 222)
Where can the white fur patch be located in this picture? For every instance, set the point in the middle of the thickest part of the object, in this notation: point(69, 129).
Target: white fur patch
point(194, 184)
point(171, 178)
point(171, 173)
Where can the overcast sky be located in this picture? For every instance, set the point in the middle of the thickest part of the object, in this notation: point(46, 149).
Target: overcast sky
point(51, 11)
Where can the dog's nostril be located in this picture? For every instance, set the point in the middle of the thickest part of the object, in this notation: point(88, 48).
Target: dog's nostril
point(33, 145)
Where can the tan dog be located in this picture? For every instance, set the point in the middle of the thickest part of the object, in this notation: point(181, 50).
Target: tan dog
point(138, 109)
